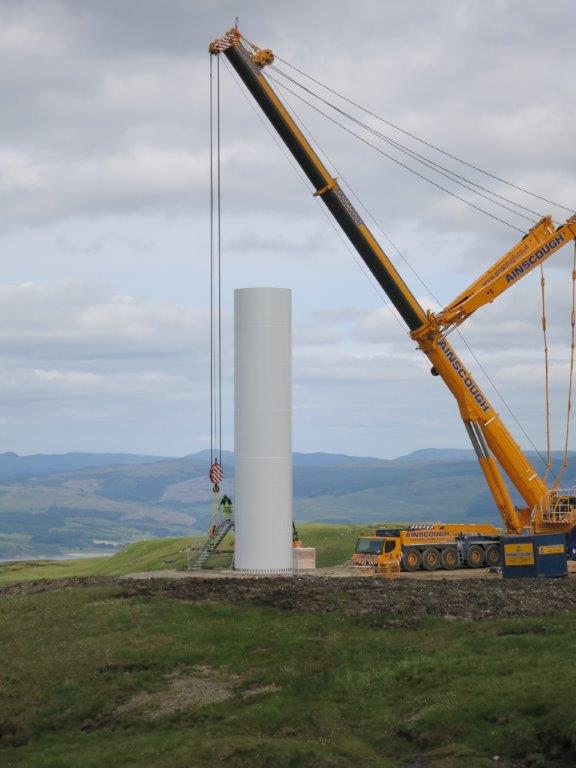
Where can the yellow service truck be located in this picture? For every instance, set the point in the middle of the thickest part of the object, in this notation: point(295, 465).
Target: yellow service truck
point(429, 547)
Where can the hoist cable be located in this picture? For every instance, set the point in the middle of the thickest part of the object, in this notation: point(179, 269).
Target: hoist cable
point(297, 169)
point(399, 162)
point(431, 293)
point(219, 264)
point(426, 161)
point(546, 376)
point(502, 398)
point(423, 141)
point(547, 462)
point(360, 262)
point(211, 264)
point(353, 253)
point(215, 270)
point(472, 353)
point(571, 373)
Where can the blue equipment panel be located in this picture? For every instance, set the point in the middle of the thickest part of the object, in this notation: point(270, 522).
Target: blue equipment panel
point(541, 555)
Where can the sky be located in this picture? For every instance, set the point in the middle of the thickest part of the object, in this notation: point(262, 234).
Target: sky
point(104, 216)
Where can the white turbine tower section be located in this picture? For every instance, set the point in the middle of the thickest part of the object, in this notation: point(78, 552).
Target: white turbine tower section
point(263, 430)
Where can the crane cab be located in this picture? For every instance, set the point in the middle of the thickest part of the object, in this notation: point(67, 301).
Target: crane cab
point(375, 550)
point(429, 547)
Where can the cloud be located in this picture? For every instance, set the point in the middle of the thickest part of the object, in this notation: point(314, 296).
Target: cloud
point(33, 190)
point(82, 364)
point(87, 320)
point(34, 384)
point(133, 108)
point(104, 172)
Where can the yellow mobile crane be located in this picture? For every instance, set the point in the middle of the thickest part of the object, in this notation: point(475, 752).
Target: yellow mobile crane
point(547, 510)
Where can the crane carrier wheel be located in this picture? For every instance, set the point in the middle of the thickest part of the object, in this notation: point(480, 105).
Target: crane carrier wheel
point(411, 559)
point(475, 556)
point(449, 558)
point(492, 555)
point(431, 559)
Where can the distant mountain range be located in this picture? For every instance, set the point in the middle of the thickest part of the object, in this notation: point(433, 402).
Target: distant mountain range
point(41, 463)
point(51, 504)
point(44, 463)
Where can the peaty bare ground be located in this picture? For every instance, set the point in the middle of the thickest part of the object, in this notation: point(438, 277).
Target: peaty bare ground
point(404, 600)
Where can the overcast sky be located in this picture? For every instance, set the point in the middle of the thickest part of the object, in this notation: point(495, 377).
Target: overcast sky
point(104, 215)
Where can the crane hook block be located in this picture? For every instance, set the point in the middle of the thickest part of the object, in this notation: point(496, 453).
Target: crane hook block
point(216, 476)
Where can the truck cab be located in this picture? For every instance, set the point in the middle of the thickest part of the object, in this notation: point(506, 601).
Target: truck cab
point(384, 546)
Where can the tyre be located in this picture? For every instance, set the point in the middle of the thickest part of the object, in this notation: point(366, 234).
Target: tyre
point(449, 558)
point(431, 559)
point(492, 555)
point(475, 556)
point(411, 559)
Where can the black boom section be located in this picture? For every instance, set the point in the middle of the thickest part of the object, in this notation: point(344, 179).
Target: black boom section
point(249, 72)
point(336, 206)
point(335, 199)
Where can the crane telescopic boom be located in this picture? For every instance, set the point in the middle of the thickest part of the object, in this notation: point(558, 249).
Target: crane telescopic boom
point(536, 246)
point(491, 440)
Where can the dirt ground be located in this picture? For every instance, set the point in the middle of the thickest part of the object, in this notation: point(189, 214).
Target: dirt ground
point(203, 685)
point(398, 602)
point(336, 572)
point(402, 600)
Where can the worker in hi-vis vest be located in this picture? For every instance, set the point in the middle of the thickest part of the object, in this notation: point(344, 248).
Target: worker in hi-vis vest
point(226, 507)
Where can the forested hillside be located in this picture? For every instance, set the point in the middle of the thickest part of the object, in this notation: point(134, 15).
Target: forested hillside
point(99, 507)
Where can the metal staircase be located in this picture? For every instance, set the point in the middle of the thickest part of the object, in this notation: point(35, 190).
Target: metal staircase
point(460, 550)
point(211, 545)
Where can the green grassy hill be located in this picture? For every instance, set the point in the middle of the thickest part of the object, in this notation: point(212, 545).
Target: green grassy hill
point(152, 555)
point(125, 675)
point(101, 676)
point(334, 544)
